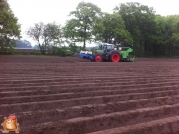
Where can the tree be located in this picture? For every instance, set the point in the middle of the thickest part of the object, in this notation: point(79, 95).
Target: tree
point(81, 28)
point(55, 36)
point(139, 21)
point(71, 33)
point(9, 27)
point(172, 32)
point(46, 35)
point(37, 34)
point(115, 31)
point(158, 41)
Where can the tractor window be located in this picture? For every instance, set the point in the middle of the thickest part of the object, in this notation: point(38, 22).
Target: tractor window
point(110, 47)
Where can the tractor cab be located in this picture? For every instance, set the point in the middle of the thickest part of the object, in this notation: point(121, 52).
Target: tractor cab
point(107, 47)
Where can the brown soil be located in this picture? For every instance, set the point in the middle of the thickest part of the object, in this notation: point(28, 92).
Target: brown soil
point(51, 95)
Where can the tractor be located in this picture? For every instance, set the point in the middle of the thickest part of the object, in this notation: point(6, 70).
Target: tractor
point(108, 52)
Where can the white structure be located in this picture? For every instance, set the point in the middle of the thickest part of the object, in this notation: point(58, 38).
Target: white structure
point(86, 52)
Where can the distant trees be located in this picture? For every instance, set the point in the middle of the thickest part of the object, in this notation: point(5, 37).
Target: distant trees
point(139, 21)
point(9, 27)
point(152, 34)
point(132, 24)
point(46, 35)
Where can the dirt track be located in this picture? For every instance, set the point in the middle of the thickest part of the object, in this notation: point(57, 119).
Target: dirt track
point(53, 95)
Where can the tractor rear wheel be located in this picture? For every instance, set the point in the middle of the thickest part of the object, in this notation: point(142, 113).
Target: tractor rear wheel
point(98, 58)
point(115, 57)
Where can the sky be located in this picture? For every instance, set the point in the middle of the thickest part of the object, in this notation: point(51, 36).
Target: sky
point(29, 12)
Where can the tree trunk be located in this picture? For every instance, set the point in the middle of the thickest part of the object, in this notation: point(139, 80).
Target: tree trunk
point(84, 43)
point(41, 49)
point(84, 40)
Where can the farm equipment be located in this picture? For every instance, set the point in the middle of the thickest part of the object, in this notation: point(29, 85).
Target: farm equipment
point(108, 52)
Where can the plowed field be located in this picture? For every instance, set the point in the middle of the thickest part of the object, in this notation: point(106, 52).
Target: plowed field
point(53, 95)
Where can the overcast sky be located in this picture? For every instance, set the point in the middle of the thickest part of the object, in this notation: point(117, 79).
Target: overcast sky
point(33, 11)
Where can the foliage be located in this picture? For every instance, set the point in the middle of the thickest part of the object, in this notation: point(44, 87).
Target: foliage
point(34, 52)
point(46, 35)
point(115, 31)
point(81, 27)
point(9, 27)
point(73, 48)
point(63, 51)
point(172, 34)
point(139, 21)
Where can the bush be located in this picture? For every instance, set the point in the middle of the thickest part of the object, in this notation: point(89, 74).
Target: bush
point(58, 51)
point(62, 52)
point(34, 52)
point(9, 51)
point(73, 48)
point(13, 51)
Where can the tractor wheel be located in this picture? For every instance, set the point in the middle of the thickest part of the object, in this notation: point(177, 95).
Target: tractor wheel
point(98, 58)
point(115, 57)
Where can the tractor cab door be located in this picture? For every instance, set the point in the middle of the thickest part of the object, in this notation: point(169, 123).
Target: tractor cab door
point(107, 49)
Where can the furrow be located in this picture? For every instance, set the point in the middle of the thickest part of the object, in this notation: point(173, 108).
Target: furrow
point(20, 77)
point(161, 126)
point(37, 98)
point(88, 91)
point(60, 82)
point(33, 117)
point(51, 104)
point(107, 121)
point(88, 85)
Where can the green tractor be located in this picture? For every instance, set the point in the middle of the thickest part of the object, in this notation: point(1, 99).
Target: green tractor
point(108, 52)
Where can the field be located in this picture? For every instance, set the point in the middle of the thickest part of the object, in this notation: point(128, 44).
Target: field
point(55, 95)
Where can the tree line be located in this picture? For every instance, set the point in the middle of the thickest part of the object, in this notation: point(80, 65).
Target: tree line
point(9, 27)
point(131, 24)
